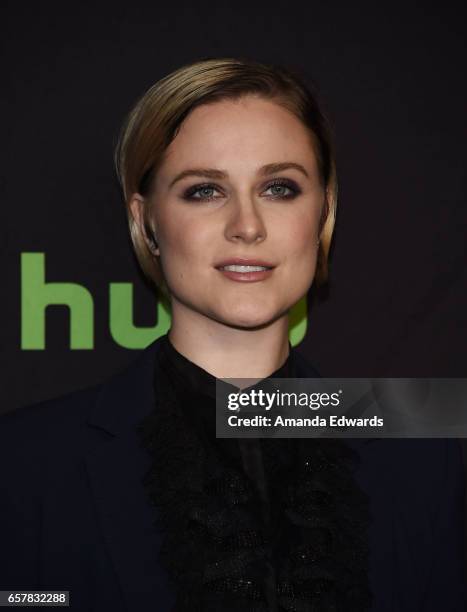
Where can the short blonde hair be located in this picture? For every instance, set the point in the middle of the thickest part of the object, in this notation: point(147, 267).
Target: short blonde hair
point(156, 118)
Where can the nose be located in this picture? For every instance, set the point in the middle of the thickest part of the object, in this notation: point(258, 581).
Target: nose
point(245, 223)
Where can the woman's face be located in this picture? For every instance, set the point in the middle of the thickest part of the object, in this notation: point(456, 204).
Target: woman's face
point(217, 198)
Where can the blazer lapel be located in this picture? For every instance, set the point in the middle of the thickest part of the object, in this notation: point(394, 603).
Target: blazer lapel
point(116, 465)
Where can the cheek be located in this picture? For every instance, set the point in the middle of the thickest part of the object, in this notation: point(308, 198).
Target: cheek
point(299, 239)
point(184, 241)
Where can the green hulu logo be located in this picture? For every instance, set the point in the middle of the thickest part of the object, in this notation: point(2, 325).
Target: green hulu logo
point(37, 294)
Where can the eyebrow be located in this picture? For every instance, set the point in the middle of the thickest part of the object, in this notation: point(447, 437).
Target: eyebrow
point(214, 173)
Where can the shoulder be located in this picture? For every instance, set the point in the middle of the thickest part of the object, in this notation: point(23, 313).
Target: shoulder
point(43, 437)
point(44, 421)
point(423, 458)
point(419, 476)
point(408, 460)
point(52, 434)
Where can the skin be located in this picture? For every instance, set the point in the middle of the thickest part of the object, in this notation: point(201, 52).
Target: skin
point(236, 329)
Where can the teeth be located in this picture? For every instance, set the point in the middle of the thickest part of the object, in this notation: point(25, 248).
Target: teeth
point(244, 268)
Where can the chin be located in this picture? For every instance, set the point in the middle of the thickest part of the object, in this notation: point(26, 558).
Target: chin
point(250, 318)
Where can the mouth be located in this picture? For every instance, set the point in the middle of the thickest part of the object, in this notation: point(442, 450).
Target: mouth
point(241, 268)
point(245, 272)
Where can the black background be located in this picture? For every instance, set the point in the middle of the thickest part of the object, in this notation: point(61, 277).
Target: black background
point(392, 78)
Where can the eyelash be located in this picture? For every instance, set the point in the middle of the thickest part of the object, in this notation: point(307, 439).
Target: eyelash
point(188, 195)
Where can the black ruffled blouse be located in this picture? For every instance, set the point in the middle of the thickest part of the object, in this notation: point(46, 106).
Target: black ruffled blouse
point(250, 524)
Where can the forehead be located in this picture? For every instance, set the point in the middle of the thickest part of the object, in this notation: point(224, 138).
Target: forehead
point(246, 132)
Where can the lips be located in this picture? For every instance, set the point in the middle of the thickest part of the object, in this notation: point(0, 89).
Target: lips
point(243, 261)
point(245, 274)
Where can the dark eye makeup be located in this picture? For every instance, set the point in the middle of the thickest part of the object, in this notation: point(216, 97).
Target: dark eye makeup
point(293, 188)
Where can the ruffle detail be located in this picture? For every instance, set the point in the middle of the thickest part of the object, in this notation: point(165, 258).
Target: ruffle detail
point(310, 555)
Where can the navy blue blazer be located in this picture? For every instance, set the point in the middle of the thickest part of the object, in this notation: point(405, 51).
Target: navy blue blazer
point(74, 514)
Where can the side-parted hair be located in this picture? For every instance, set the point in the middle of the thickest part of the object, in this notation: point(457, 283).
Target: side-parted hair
point(156, 119)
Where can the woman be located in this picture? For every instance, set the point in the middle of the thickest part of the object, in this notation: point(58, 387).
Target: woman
point(123, 495)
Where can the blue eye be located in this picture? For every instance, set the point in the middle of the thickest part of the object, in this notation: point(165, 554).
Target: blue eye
point(202, 189)
point(293, 189)
point(205, 191)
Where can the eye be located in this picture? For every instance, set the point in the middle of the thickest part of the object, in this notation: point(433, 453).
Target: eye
point(278, 187)
point(205, 191)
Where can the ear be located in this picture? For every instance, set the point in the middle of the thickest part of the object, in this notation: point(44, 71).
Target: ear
point(136, 204)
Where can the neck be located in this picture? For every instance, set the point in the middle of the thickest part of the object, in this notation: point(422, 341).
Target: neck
point(228, 352)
